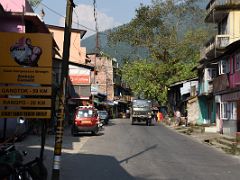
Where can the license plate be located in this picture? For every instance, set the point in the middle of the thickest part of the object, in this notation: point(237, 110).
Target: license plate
point(86, 122)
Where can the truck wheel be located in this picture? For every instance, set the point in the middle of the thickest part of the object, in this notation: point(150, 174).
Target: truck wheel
point(147, 122)
point(132, 121)
point(150, 122)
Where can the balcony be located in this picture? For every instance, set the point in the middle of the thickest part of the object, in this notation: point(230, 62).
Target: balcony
point(215, 46)
point(220, 83)
point(218, 9)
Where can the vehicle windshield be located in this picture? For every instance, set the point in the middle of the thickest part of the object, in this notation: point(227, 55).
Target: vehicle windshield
point(85, 113)
point(141, 103)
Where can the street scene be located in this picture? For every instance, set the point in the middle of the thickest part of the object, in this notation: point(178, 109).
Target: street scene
point(124, 151)
point(147, 89)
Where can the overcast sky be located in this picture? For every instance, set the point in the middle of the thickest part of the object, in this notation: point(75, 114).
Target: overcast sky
point(110, 13)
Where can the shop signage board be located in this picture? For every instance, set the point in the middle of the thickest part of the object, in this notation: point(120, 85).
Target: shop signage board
point(25, 102)
point(40, 114)
point(25, 90)
point(79, 79)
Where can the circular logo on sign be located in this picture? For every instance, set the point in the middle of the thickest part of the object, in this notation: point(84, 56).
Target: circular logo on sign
point(24, 53)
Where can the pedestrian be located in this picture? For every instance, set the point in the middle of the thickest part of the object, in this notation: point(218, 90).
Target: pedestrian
point(177, 117)
point(159, 116)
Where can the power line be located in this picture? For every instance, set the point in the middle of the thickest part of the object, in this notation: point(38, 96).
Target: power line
point(55, 12)
point(77, 23)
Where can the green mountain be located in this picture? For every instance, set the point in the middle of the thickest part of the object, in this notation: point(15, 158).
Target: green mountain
point(120, 51)
point(123, 51)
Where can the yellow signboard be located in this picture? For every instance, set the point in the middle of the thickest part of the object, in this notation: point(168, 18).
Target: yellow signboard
point(23, 102)
point(17, 75)
point(25, 90)
point(25, 49)
point(40, 114)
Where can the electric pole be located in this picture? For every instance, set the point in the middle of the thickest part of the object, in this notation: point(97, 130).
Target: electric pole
point(63, 83)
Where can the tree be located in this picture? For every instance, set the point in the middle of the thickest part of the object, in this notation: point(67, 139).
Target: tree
point(166, 30)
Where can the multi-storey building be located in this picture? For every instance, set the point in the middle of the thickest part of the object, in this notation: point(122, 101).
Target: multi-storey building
point(107, 82)
point(218, 72)
point(79, 84)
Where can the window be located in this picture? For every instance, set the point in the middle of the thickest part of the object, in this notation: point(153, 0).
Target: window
point(237, 60)
point(211, 73)
point(223, 67)
point(229, 110)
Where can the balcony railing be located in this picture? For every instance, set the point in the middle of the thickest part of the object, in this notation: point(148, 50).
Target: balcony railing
point(222, 41)
point(220, 83)
point(219, 42)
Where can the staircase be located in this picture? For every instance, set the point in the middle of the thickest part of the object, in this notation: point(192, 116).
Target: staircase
point(227, 144)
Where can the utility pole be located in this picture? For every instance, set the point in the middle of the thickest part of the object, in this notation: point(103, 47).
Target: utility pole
point(64, 74)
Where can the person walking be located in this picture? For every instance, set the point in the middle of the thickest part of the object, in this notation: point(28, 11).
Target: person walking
point(159, 116)
point(178, 117)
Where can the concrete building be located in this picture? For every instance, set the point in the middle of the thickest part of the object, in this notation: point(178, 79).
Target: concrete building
point(218, 70)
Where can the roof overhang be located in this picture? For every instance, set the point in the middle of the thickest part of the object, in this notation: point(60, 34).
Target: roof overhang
point(80, 31)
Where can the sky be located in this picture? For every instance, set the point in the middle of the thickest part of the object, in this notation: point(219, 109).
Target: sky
point(110, 13)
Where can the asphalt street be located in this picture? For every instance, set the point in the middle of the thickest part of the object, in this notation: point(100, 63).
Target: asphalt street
point(126, 152)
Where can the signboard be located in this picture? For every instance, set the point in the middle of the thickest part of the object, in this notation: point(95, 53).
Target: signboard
point(41, 114)
point(79, 79)
point(25, 90)
point(23, 102)
point(17, 75)
point(25, 49)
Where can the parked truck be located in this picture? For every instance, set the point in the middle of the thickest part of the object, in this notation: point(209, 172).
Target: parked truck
point(141, 111)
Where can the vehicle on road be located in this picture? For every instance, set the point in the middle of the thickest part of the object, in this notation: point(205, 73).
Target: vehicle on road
point(103, 116)
point(86, 119)
point(141, 111)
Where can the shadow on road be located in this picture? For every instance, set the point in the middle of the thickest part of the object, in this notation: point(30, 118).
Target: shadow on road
point(74, 165)
point(141, 152)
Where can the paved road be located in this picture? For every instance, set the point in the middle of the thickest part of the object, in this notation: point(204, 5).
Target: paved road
point(128, 152)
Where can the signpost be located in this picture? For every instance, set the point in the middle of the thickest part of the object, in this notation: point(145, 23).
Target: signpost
point(25, 102)
point(39, 114)
point(25, 90)
point(25, 66)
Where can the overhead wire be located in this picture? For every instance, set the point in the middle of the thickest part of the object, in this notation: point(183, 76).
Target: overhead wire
point(78, 24)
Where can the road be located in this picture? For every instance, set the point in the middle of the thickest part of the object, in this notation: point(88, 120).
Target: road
point(126, 152)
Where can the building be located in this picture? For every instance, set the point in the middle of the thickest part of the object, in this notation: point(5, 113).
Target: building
point(79, 81)
point(217, 69)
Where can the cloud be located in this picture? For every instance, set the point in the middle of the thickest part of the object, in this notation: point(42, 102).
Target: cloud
point(84, 16)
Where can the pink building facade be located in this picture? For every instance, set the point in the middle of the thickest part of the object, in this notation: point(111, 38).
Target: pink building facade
point(226, 89)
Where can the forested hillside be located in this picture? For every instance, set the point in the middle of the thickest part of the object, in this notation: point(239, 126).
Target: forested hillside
point(159, 46)
point(124, 51)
